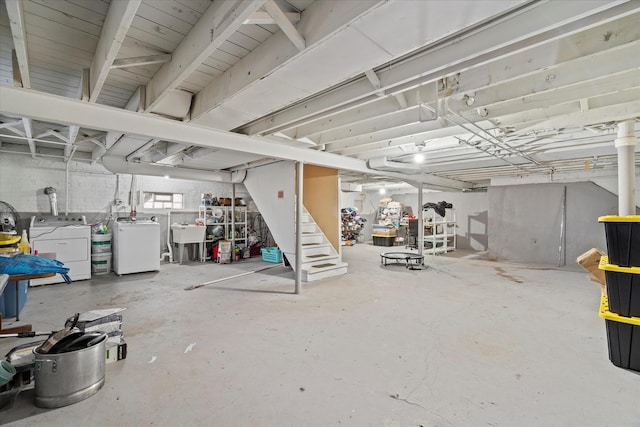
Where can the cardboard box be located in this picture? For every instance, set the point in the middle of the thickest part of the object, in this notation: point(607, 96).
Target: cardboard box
point(224, 258)
point(590, 261)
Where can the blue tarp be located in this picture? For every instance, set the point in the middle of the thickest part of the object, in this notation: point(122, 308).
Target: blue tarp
point(31, 264)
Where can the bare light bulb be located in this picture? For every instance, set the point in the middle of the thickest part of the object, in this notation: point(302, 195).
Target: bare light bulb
point(382, 191)
point(418, 158)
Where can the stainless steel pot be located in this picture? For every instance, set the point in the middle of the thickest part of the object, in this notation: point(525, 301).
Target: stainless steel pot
point(65, 378)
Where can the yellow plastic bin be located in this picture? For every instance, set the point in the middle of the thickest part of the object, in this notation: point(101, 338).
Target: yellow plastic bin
point(623, 288)
point(623, 239)
point(623, 337)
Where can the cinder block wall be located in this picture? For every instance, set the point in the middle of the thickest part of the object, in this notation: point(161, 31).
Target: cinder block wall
point(93, 189)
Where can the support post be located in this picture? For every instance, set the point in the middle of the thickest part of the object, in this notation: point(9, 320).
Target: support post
point(233, 223)
point(420, 242)
point(299, 209)
point(625, 145)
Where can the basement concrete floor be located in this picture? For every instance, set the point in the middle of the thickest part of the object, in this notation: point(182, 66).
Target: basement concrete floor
point(467, 342)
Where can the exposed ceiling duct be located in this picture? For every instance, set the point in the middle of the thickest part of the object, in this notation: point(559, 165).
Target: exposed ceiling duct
point(118, 164)
point(384, 164)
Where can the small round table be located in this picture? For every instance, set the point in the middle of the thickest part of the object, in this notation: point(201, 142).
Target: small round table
point(409, 258)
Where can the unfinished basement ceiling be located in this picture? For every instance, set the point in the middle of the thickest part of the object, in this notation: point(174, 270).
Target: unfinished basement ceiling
point(481, 89)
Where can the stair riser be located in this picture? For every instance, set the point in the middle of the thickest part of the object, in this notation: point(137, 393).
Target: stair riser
point(312, 239)
point(316, 250)
point(308, 276)
point(309, 228)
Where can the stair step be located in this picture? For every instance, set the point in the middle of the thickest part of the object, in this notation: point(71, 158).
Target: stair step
point(319, 259)
point(315, 249)
point(323, 271)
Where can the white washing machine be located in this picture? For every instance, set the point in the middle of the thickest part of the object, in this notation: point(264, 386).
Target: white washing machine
point(66, 238)
point(136, 246)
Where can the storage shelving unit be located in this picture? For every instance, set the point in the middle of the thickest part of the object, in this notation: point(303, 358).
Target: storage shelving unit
point(439, 232)
point(215, 216)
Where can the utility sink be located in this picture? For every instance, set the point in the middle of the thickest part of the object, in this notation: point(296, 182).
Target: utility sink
point(188, 233)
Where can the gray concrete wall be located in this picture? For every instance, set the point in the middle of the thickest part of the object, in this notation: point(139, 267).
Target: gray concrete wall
point(525, 221)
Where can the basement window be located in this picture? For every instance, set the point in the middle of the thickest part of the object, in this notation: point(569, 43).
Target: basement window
point(163, 200)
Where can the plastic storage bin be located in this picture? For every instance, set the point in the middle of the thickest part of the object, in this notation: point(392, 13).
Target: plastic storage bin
point(272, 254)
point(100, 263)
point(8, 305)
point(100, 243)
point(623, 239)
point(383, 240)
point(623, 337)
point(623, 288)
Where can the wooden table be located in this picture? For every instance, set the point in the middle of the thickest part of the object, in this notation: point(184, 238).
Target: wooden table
point(16, 278)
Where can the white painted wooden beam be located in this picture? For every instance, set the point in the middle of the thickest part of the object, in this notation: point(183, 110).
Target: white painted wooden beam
point(263, 18)
point(141, 60)
point(619, 112)
point(85, 85)
point(115, 28)
point(72, 135)
point(375, 82)
point(529, 28)
point(56, 109)
point(57, 135)
point(28, 131)
point(10, 124)
point(15, 68)
point(19, 35)
point(213, 28)
point(402, 100)
point(285, 25)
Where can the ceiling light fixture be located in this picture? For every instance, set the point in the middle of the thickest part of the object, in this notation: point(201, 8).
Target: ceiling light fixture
point(382, 191)
point(418, 158)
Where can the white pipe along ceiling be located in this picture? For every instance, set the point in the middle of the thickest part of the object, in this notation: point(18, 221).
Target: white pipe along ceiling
point(483, 90)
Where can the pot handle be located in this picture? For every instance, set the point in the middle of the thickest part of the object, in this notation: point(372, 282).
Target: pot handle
point(96, 340)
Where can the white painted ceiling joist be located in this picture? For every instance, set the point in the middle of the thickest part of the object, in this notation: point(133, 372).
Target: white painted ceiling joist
point(285, 24)
point(19, 35)
point(140, 61)
point(115, 28)
point(28, 131)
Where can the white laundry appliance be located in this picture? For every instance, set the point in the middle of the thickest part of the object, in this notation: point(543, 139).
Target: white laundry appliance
point(136, 245)
point(66, 238)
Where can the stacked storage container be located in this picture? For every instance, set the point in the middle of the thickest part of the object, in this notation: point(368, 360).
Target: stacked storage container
point(621, 306)
point(100, 253)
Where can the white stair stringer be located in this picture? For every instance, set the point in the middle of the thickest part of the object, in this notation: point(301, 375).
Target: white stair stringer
point(319, 259)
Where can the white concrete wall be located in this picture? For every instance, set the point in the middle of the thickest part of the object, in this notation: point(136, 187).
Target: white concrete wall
point(263, 184)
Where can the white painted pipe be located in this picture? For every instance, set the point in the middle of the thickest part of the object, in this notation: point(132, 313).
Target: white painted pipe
point(625, 144)
point(420, 238)
point(299, 208)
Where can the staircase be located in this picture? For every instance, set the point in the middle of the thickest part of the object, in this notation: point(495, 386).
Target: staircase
point(319, 259)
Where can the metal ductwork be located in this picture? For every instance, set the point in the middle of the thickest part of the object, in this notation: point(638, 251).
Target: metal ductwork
point(384, 164)
point(117, 164)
